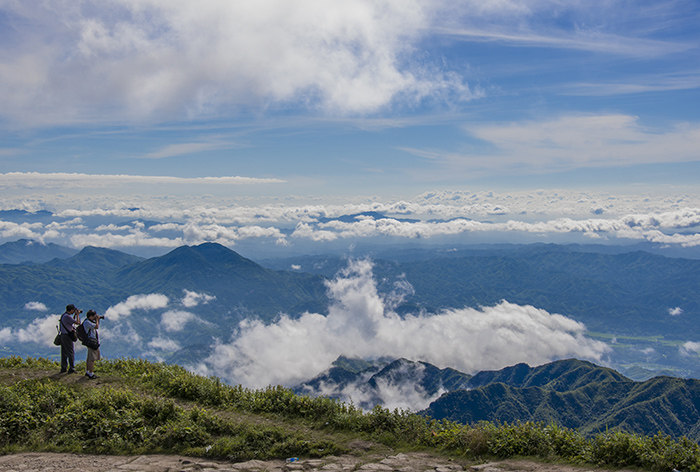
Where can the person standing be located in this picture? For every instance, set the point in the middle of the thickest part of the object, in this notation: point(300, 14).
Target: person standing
point(91, 324)
point(68, 321)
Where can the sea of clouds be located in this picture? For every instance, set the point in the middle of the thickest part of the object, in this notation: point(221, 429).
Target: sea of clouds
point(548, 216)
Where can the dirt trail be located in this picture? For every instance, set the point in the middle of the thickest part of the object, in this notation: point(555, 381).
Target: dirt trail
point(410, 462)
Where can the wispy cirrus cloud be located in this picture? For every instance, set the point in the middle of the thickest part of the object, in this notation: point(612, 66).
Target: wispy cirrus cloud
point(594, 41)
point(180, 149)
point(61, 180)
point(635, 84)
point(565, 143)
point(610, 28)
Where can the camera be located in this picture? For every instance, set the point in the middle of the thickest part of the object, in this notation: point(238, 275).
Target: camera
point(102, 317)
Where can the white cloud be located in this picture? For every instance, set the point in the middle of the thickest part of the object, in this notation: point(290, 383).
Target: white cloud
point(192, 299)
point(135, 239)
point(113, 60)
point(61, 180)
point(578, 40)
point(163, 344)
point(175, 320)
point(400, 389)
point(36, 306)
point(152, 301)
point(40, 330)
point(675, 311)
point(670, 219)
point(572, 142)
point(121, 331)
point(689, 347)
point(187, 148)
point(10, 230)
point(566, 25)
point(359, 325)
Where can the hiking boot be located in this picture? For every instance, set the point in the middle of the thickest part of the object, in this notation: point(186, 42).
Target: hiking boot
point(71, 371)
point(90, 376)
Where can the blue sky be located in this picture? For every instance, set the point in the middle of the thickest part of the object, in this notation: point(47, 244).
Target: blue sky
point(210, 103)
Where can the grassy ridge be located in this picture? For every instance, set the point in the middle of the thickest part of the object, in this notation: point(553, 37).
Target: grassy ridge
point(143, 407)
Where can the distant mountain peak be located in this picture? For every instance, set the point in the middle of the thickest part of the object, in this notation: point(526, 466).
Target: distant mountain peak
point(29, 250)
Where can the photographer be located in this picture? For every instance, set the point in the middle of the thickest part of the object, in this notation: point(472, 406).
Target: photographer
point(67, 330)
point(91, 324)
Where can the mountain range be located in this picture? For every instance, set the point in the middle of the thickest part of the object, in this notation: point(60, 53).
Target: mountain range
point(27, 250)
point(571, 393)
point(578, 395)
point(234, 288)
point(644, 306)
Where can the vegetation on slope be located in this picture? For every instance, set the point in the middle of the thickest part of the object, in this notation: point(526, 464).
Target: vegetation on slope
point(142, 407)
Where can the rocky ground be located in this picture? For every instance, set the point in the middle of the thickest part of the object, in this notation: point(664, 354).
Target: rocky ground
point(410, 462)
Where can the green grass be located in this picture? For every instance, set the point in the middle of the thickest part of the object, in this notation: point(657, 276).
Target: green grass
point(142, 407)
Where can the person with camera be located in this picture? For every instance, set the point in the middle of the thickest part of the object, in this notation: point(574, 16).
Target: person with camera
point(91, 324)
point(68, 336)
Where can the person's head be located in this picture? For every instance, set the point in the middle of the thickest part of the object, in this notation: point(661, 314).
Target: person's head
point(70, 308)
point(91, 314)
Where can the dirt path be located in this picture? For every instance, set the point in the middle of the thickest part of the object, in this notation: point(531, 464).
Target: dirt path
point(410, 462)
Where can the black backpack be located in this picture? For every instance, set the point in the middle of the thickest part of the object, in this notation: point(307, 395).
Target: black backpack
point(83, 337)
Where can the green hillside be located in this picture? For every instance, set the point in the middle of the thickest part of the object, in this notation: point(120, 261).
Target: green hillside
point(563, 375)
point(662, 404)
point(137, 407)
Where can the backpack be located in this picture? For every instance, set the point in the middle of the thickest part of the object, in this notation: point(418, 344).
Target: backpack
point(80, 331)
point(83, 337)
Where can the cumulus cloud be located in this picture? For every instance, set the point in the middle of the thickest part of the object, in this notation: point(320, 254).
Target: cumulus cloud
point(154, 60)
point(40, 330)
point(689, 347)
point(675, 311)
point(163, 344)
point(192, 299)
point(175, 320)
point(36, 306)
point(359, 325)
point(11, 230)
point(148, 302)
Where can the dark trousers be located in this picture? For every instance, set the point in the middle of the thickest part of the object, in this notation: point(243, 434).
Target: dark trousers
point(67, 352)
